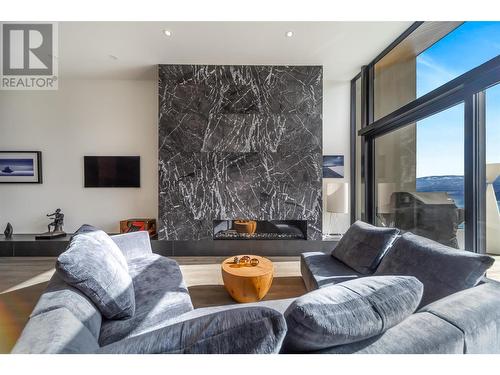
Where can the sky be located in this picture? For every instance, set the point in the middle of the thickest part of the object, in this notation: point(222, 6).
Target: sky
point(440, 138)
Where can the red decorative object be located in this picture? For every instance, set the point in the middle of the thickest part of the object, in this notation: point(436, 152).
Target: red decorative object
point(136, 225)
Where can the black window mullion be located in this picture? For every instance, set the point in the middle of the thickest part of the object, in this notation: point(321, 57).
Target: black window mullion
point(371, 90)
point(354, 167)
point(370, 179)
point(474, 172)
point(469, 146)
point(370, 149)
point(367, 142)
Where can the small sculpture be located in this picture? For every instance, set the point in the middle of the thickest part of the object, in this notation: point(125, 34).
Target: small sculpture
point(57, 223)
point(8, 231)
point(246, 261)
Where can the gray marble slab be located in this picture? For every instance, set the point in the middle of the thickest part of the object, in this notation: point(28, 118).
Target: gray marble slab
point(238, 142)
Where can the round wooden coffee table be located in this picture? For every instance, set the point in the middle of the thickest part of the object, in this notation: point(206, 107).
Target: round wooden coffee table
point(247, 283)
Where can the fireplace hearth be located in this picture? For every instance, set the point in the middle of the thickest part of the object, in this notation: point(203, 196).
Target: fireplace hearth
point(265, 230)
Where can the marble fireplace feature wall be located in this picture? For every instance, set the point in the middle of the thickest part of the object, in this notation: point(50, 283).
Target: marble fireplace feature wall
point(238, 142)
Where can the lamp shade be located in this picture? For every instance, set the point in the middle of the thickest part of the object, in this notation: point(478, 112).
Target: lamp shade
point(384, 192)
point(337, 197)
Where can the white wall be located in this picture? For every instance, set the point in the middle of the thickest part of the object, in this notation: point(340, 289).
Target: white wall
point(99, 117)
point(336, 141)
point(91, 117)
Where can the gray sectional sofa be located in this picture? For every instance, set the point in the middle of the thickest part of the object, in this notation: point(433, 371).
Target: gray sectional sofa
point(390, 293)
point(66, 320)
point(460, 308)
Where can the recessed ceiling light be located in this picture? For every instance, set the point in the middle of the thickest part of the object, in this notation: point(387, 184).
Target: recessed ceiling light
point(167, 32)
point(289, 34)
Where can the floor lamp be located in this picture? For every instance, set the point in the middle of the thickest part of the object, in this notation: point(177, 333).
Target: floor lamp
point(337, 201)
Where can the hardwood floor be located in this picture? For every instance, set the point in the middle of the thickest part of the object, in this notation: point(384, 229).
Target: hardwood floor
point(22, 280)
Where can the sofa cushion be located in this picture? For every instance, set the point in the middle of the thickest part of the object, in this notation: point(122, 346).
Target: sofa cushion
point(475, 312)
point(442, 269)
point(59, 294)
point(363, 246)
point(351, 311)
point(420, 333)
point(319, 270)
point(107, 242)
point(160, 295)
point(93, 264)
point(53, 332)
point(252, 330)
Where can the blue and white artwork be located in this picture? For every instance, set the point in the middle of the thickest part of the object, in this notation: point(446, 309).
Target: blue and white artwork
point(333, 166)
point(19, 167)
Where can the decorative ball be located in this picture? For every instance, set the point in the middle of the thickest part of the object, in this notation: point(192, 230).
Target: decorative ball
point(245, 260)
point(254, 262)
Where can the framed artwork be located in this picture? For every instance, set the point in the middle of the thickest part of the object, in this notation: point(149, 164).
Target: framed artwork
point(21, 167)
point(333, 166)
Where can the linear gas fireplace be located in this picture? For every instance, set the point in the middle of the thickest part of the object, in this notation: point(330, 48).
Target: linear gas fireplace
point(260, 229)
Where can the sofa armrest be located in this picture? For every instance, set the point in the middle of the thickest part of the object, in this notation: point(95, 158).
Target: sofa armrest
point(256, 330)
point(476, 312)
point(55, 331)
point(133, 244)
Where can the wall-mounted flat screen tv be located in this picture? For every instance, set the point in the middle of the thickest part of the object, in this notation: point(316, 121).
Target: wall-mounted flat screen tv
point(112, 171)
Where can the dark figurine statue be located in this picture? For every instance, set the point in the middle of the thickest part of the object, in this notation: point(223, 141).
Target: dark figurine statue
point(57, 223)
point(8, 231)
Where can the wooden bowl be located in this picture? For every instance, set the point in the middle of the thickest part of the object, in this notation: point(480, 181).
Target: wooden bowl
point(245, 226)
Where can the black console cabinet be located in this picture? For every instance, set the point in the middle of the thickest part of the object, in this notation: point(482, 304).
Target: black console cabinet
point(25, 245)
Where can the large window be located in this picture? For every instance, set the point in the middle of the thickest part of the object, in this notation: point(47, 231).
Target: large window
point(419, 177)
point(430, 141)
point(395, 74)
point(466, 47)
point(430, 56)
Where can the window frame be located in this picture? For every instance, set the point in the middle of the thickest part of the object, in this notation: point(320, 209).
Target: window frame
point(468, 88)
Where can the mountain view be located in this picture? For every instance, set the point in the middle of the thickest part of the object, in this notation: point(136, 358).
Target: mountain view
point(453, 185)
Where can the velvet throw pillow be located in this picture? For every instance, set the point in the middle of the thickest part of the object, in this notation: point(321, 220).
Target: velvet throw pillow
point(443, 270)
point(351, 311)
point(94, 264)
point(363, 246)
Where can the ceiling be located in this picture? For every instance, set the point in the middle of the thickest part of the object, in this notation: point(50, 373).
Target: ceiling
point(130, 50)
